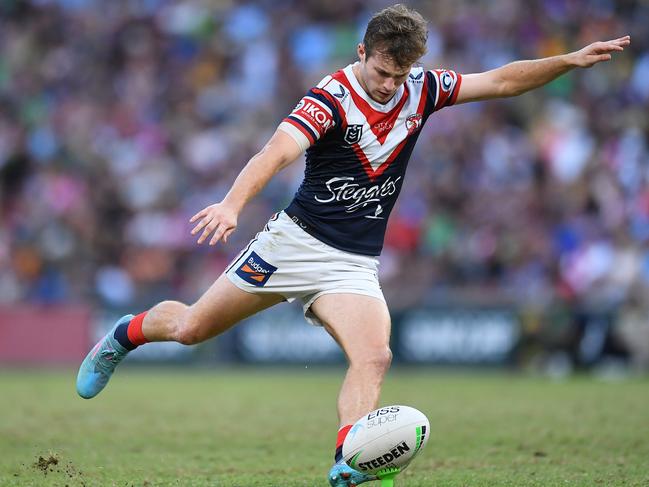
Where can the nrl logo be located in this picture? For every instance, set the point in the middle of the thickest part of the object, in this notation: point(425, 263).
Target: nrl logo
point(413, 123)
point(353, 134)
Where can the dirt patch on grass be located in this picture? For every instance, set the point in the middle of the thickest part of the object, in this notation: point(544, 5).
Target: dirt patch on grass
point(52, 464)
point(46, 464)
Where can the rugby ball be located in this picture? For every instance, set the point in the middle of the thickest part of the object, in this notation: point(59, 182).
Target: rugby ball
point(386, 438)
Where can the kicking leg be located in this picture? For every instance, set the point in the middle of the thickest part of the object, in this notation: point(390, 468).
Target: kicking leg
point(361, 326)
point(222, 306)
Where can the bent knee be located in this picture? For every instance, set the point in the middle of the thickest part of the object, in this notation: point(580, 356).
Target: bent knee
point(188, 335)
point(378, 359)
point(190, 330)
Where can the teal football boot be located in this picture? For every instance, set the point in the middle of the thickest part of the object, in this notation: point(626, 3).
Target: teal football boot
point(100, 363)
point(342, 475)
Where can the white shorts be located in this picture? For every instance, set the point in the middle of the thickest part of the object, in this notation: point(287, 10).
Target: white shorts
point(283, 259)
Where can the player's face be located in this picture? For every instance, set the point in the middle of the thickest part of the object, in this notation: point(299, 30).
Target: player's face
point(380, 76)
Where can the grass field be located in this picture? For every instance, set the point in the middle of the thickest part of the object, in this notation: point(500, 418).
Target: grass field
point(276, 428)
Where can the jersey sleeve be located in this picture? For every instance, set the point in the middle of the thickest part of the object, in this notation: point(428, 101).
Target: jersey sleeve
point(443, 88)
point(314, 115)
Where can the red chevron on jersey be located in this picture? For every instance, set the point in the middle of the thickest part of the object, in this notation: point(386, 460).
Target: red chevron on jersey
point(413, 124)
point(380, 123)
point(381, 130)
point(355, 168)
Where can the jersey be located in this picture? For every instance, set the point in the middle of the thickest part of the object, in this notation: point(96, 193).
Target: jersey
point(357, 152)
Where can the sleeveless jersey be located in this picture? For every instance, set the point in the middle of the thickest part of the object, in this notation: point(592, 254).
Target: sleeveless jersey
point(357, 151)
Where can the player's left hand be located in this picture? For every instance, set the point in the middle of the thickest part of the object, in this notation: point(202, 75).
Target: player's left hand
point(599, 51)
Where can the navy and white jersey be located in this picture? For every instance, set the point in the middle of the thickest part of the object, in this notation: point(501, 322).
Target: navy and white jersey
point(357, 151)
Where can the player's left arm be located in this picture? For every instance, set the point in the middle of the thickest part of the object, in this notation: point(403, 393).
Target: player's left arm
point(521, 76)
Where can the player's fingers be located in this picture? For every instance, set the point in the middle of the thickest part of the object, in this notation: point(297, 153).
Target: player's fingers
point(200, 225)
point(615, 47)
point(604, 57)
point(623, 40)
point(213, 225)
point(227, 234)
point(218, 234)
point(197, 216)
point(605, 47)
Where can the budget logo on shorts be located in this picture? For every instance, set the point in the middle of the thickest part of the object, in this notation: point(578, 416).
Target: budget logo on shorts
point(255, 270)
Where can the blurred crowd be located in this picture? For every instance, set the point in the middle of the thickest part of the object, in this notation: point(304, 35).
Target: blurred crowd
point(120, 119)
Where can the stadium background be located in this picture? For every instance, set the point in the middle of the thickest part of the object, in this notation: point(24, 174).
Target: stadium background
point(521, 235)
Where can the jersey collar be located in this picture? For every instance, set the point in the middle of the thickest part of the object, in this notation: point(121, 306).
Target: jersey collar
point(356, 86)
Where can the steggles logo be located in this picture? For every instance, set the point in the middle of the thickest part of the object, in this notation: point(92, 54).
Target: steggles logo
point(345, 190)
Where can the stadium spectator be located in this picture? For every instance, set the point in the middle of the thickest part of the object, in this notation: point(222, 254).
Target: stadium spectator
point(113, 114)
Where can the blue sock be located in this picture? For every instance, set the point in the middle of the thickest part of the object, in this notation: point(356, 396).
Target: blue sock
point(121, 335)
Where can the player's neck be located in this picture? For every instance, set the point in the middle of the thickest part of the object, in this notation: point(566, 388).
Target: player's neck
point(357, 73)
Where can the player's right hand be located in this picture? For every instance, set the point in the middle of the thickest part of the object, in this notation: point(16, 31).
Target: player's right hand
point(219, 219)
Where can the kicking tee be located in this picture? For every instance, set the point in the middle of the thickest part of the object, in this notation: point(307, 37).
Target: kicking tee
point(357, 151)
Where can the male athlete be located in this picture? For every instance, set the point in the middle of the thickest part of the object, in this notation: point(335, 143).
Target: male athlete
point(358, 127)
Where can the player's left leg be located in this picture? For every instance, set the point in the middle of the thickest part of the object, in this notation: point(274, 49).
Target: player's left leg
point(219, 308)
point(361, 326)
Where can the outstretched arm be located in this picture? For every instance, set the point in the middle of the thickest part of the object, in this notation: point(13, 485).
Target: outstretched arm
point(521, 76)
point(221, 218)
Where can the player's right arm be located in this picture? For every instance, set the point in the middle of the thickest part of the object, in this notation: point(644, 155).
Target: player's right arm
point(220, 219)
point(314, 115)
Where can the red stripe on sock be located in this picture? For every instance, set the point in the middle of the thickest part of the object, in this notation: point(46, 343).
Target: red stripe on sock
point(134, 330)
point(342, 434)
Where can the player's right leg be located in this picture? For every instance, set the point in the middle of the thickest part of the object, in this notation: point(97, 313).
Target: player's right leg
point(222, 306)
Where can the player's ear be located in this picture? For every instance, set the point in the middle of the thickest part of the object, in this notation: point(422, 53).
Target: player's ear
point(360, 49)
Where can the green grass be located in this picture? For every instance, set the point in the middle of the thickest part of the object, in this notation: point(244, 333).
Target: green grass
point(276, 428)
